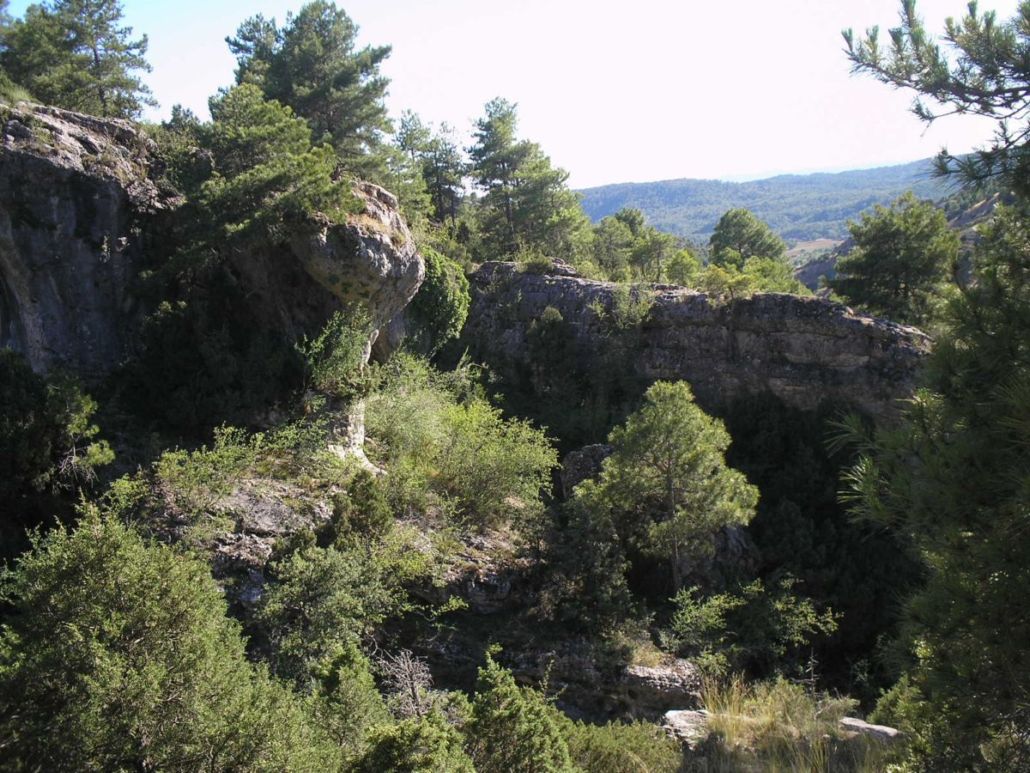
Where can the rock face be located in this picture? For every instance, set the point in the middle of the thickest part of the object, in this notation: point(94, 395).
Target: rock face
point(81, 216)
point(78, 210)
point(803, 350)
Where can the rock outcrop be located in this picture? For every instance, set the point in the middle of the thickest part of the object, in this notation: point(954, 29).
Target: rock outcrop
point(81, 215)
point(803, 350)
point(78, 210)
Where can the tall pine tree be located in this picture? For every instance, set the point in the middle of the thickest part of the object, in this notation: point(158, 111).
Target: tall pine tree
point(76, 54)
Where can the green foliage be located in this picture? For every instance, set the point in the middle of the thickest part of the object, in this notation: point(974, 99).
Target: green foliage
point(618, 748)
point(985, 73)
point(267, 173)
point(626, 248)
point(423, 745)
point(756, 275)
point(514, 728)
point(441, 305)
point(802, 530)
point(491, 469)
point(312, 65)
point(903, 257)
point(666, 483)
point(146, 672)
point(739, 235)
point(526, 204)
point(439, 161)
point(75, 54)
point(326, 600)
point(954, 479)
point(751, 627)
point(208, 359)
point(48, 443)
point(336, 357)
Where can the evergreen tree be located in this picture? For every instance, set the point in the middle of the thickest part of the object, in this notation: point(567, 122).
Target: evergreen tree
point(76, 55)
point(666, 483)
point(526, 204)
point(266, 171)
point(740, 235)
point(513, 729)
point(902, 258)
point(955, 480)
point(312, 65)
point(424, 745)
point(986, 73)
point(118, 655)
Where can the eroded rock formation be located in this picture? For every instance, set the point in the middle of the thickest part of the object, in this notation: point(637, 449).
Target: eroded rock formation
point(803, 350)
point(81, 215)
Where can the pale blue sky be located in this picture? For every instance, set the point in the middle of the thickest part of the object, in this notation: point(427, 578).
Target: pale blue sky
point(613, 91)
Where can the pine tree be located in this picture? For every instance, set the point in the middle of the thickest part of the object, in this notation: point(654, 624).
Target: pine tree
point(118, 655)
point(740, 235)
point(526, 204)
point(513, 729)
point(666, 484)
point(901, 260)
point(74, 54)
point(312, 65)
point(986, 72)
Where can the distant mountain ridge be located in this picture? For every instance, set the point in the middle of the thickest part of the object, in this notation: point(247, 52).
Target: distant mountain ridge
point(798, 207)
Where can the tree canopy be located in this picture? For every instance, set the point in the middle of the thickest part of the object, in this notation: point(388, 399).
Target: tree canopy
point(667, 479)
point(76, 54)
point(312, 64)
point(902, 258)
point(526, 203)
point(740, 235)
point(986, 72)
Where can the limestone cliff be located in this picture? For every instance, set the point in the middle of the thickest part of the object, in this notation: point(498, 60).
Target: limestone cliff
point(77, 213)
point(803, 350)
point(81, 216)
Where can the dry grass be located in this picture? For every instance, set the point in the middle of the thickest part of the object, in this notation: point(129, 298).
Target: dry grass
point(780, 726)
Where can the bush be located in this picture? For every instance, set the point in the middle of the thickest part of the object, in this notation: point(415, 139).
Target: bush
point(439, 309)
point(147, 672)
point(618, 748)
point(749, 628)
point(441, 436)
point(513, 729)
point(424, 745)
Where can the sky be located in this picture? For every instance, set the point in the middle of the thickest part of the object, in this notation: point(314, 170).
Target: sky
point(613, 91)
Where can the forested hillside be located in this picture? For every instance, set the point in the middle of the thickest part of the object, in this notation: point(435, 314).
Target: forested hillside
point(329, 443)
point(797, 207)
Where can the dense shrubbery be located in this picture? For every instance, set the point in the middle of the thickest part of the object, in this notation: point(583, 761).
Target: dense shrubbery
point(441, 438)
point(147, 671)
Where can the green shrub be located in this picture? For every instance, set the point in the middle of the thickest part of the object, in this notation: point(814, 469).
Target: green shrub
point(47, 434)
point(146, 670)
point(444, 438)
point(620, 748)
point(424, 745)
point(751, 627)
point(514, 729)
point(439, 309)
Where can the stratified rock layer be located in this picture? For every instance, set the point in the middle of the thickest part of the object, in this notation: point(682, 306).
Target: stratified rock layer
point(803, 350)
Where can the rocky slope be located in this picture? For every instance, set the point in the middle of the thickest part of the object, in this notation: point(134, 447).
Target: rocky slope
point(803, 350)
point(81, 215)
